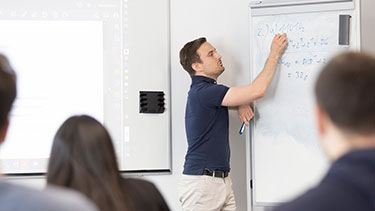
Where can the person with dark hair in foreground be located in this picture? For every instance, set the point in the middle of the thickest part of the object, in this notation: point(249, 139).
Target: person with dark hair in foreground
point(345, 113)
point(83, 158)
point(19, 198)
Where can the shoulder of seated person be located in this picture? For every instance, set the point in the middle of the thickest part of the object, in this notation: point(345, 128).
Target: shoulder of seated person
point(50, 198)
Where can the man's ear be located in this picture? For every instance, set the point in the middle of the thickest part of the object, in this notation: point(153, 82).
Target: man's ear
point(3, 131)
point(321, 120)
point(196, 66)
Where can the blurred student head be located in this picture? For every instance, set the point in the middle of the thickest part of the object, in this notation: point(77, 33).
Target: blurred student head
point(345, 111)
point(83, 158)
point(8, 93)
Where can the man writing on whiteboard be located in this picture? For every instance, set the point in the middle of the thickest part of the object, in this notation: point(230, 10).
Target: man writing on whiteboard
point(345, 113)
point(205, 183)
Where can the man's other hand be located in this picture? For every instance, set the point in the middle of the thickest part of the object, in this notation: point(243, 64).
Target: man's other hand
point(245, 113)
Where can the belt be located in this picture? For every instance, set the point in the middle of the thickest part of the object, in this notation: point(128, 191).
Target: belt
point(216, 173)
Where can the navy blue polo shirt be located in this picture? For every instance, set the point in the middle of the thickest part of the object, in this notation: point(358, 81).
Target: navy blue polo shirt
point(207, 125)
point(348, 185)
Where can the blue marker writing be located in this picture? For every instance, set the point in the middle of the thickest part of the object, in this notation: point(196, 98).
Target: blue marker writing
point(242, 128)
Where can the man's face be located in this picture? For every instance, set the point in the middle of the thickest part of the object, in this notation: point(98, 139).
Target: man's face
point(211, 63)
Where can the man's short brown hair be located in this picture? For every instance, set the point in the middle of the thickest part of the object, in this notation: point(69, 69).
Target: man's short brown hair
point(8, 89)
point(345, 91)
point(189, 55)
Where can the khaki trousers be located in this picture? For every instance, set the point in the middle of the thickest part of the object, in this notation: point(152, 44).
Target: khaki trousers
point(206, 193)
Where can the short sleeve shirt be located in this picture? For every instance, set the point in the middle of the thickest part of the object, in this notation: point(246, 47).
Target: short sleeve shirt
point(206, 124)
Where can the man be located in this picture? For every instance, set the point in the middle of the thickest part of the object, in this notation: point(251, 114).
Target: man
point(205, 184)
point(345, 113)
point(19, 198)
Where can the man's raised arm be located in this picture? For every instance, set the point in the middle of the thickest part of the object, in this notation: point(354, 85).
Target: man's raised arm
point(246, 94)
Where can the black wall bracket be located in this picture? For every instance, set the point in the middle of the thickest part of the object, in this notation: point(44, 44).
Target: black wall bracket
point(344, 29)
point(151, 102)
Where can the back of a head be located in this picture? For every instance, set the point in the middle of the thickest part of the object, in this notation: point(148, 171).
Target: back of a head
point(345, 91)
point(189, 55)
point(8, 89)
point(83, 158)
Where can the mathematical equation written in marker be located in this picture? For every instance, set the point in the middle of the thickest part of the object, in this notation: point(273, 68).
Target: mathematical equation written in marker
point(303, 43)
point(272, 29)
point(304, 61)
point(294, 43)
point(298, 75)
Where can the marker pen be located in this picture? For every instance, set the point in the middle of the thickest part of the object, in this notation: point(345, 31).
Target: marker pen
point(242, 128)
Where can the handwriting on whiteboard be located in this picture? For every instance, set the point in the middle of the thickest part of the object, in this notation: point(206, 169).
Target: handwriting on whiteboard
point(304, 48)
point(273, 29)
point(302, 61)
point(307, 43)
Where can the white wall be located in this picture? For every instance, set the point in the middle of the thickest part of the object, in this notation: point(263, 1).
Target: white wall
point(225, 24)
point(367, 23)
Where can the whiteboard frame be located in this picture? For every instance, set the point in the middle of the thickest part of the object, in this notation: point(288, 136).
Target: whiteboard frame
point(353, 6)
point(277, 3)
point(299, 7)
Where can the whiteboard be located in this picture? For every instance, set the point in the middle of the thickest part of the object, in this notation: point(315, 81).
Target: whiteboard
point(87, 57)
point(286, 156)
